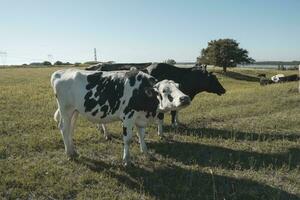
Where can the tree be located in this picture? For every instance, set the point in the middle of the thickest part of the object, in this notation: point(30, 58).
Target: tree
point(58, 63)
point(170, 62)
point(47, 63)
point(224, 53)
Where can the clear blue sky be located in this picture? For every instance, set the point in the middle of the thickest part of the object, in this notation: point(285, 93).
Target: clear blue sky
point(140, 30)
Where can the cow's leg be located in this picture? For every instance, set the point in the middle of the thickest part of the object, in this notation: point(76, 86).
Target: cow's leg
point(57, 116)
point(127, 135)
point(104, 130)
point(141, 133)
point(68, 119)
point(175, 121)
point(160, 123)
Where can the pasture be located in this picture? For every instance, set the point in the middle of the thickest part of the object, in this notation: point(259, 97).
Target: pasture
point(243, 145)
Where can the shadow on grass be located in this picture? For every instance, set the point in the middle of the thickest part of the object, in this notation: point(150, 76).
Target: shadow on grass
point(239, 76)
point(227, 134)
point(213, 156)
point(173, 182)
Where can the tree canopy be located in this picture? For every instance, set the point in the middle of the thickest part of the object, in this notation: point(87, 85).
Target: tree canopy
point(170, 61)
point(224, 53)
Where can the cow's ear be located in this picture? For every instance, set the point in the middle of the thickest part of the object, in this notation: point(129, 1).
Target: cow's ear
point(149, 91)
point(152, 80)
point(157, 85)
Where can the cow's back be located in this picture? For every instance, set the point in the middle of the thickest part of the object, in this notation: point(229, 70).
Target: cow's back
point(162, 71)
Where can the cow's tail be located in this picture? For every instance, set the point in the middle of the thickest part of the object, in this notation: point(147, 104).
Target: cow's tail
point(57, 115)
point(56, 76)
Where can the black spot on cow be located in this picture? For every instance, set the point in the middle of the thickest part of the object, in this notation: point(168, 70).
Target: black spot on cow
point(170, 98)
point(132, 81)
point(107, 89)
point(139, 77)
point(124, 131)
point(104, 109)
point(148, 114)
point(153, 113)
point(140, 101)
point(123, 102)
point(131, 75)
point(160, 116)
point(130, 114)
point(89, 103)
point(95, 112)
point(93, 80)
point(160, 96)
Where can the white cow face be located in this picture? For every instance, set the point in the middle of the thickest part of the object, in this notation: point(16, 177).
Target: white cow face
point(170, 97)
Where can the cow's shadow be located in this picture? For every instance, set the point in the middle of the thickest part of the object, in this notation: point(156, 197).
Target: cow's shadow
point(230, 134)
point(178, 177)
point(214, 156)
point(207, 155)
point(174, 182)
point(240, 76)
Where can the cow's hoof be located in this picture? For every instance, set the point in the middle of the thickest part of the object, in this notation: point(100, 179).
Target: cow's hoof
point(73, 155)
point(174, 125)
point(127, 164)
point(151, 157)
point(108, 137)
point(162, 138)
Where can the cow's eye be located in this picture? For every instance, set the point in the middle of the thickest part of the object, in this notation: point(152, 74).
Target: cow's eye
point(166, 90)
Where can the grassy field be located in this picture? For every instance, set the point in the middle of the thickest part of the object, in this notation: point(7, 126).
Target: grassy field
point(243, 145)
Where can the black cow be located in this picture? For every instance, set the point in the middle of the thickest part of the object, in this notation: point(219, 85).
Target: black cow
point(118, 66)
point(289, 78)
point(191, 80)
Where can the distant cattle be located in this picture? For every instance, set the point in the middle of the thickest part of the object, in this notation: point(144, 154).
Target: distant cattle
point(289, 78)
point(265, 81)
point(103, 97)
point(261, 75)
point(191, 80)
point(277, 77)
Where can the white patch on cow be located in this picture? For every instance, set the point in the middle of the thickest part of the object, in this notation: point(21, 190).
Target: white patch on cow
point(276, 79)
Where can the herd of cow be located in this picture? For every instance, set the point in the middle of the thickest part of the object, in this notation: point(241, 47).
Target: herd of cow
point(132, 93)
point(278, 78)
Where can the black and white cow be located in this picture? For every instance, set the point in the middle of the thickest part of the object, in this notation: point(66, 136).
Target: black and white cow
point(104, 97)
point(191, 80)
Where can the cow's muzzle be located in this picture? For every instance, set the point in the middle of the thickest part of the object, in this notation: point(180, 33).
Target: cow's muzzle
point(185, 100)
point(222, 92)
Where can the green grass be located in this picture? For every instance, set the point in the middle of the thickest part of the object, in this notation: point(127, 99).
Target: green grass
point(243, 145)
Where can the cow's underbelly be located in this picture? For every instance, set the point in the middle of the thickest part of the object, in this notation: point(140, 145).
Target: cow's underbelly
point(99, 119)
point(141, 120)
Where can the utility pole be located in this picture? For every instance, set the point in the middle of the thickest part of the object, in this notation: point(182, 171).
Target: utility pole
point(3, 56)
point(95, 54)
